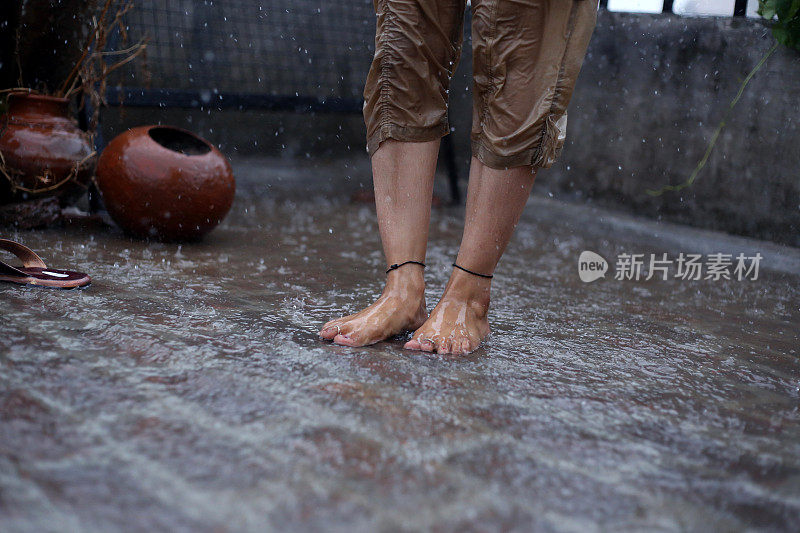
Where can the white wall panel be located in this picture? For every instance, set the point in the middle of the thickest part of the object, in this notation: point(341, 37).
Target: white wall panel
point(636, 6)
point(703, 7)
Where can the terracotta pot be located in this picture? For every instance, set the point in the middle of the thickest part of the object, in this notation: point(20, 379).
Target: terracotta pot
point(45, 153)
point(165, 182)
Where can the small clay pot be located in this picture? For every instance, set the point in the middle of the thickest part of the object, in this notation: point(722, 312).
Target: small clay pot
point(44, 151)
point(165, 183)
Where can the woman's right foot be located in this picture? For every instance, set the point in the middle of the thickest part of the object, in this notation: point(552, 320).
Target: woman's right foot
point(400, 308)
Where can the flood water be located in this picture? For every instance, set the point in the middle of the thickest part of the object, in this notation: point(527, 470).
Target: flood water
point(186, 388)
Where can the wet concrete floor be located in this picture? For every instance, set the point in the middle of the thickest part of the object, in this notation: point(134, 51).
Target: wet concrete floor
point(186, 389)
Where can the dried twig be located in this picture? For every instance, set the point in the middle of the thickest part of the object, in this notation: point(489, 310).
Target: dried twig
point(89, 78)
point(86, 49)
point(20, 90)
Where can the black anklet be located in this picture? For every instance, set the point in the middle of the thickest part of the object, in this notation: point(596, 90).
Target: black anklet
point(489, 276)
point(398, 265)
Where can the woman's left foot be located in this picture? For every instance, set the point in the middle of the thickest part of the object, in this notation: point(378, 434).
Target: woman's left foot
point(459, 323)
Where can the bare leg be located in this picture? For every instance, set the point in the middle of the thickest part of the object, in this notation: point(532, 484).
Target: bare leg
point(495, 200)
point(403, 178)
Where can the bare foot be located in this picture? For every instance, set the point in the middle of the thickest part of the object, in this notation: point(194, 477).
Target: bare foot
point(400, 308)
point(459, 322)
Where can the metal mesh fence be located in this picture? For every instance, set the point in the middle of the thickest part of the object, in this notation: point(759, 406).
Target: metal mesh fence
point(287, 55)
point(288, 48)
point(312, 49)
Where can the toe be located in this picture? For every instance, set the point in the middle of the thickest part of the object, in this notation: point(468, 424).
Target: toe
point(426, 345)
point(443, 347)
point(413, 344)
point(464, 347)
point(328, 332)
point(330, 329)
point(471, 345)
point(345, 340)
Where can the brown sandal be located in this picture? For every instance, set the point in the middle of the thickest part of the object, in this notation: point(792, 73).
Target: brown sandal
point(34, 272)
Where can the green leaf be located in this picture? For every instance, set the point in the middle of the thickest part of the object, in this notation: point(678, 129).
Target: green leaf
point(794, 9)
point(767, 8)
point(781, 34)
point(784, 9)
point(786, 29)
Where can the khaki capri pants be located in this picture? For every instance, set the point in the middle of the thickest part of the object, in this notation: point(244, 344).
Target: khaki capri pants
point(526, 58)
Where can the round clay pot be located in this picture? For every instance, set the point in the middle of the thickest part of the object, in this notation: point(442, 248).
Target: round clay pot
point(165, 183)
point(45, 153)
